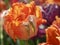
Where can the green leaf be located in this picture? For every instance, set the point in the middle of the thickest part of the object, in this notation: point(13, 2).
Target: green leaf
point(30, 42)
point(24, 42)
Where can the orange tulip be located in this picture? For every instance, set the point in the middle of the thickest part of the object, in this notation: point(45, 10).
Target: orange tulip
point(53, 32)
point(22, 21)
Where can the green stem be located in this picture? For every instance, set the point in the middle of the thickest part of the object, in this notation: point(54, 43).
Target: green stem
point(24, 42)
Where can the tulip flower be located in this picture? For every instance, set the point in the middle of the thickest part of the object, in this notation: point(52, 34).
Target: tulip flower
point(13, 1)
point(22, 21)
point(53, 32)
point(2, 6)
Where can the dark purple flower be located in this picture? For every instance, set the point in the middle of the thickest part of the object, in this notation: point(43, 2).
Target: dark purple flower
point(49, 12)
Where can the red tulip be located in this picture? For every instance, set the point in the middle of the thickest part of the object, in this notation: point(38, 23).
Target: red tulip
point(2, 6)
point(13, 1)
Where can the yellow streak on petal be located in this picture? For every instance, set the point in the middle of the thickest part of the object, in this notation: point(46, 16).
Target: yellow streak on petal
point(37, 11)
point(16, 23)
